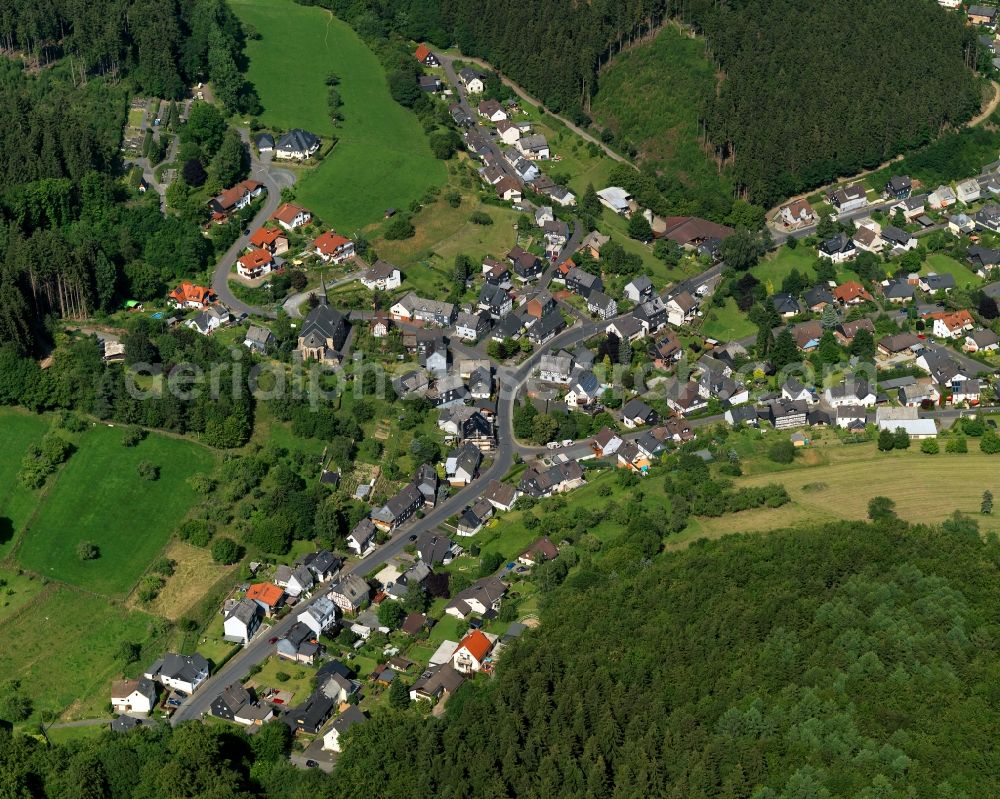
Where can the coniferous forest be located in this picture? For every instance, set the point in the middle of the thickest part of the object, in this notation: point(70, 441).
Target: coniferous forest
point(852, 660)
point(811, 91)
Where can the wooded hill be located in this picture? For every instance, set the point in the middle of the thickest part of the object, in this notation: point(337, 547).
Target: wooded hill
point(853, 660)
point(811, 91)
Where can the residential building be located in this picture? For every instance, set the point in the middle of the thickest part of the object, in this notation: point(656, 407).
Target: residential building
point(333, 738)
point(495, 300)
point(554, 480)
point(462, 465)
point(255, 264)
point(838, 249)
point(982, 340)
point(208, 321)
point(291, 216)
point(472, 652)
point(412, 308)
point(350, 593)
point(533, 147)
point(555, 368)
point(398, 509)
point(681, 308)
point(968, 191)
point(617, 200)
point(546, 327)
point(798, 213)
point(242, 621)
point(472, 80)
point(179, 672)
point(639, 289)
point(332, 248)
point(850, 391)
point(848, 198)
point(851, 293)
point(361, 539)
point(601, 305)
point(382, 276)
point(898, 187)
point(259, 339)
point(784, 414)
point(950, 324)
point(483, 595)
point(271, 239)
point(910, 208)
point(297, 145)
point(133, 697)
point(240, 705)
point(234, 199)
point(188, 295)
point(424, 55)
point(942, 197)
point(636, 413)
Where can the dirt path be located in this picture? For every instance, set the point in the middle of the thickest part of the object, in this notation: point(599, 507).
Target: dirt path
point(981, 117)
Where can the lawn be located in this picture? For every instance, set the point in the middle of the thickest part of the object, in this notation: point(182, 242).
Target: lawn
point(299, 683)
point(945, 264)
point(63, 648)
point(727, 323)
point(773, 269)
point(98, 496)
point(20, 430)
point(382, 158)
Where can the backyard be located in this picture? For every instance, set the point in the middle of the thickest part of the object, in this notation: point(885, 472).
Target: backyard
point(382, 158)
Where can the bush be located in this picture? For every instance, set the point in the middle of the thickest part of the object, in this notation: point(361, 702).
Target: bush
point(929, 446)
point(782, 452)
point(87, 550)
point(957, 445)
point(196, 532)
point(148, 470)
point(399, 228)
point(132, 436)
point(480, 218)
point(282, 676)
point(226, 551)
point(164, 566)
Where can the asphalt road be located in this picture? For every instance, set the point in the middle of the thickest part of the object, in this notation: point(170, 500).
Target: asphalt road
point(274, 179)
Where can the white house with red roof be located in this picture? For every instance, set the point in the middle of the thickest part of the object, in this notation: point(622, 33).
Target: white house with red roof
point(472, 651)
point(272, 239)
point(951, 324)
point(188, 295)
point(254, 264)
point(234, 198)
point(291, 216)
point(333, 248)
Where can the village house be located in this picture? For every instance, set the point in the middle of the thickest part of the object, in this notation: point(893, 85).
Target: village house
point(502, 496)
point(311, 715)
point(179, 672)
point(462, 465)
point(593, 243)
point(850, 391)
point(898, 187)
point(851, 293)
point(495, 300)
point(350, 593)
point(412, 308)
point(361, 540)
point(398, 509)
point(981, 340)
point(984, 260)
point(968, 191)
point(630, 328)
point(297, 145)
point(508, 132)
point(798, 213)
point(482, 596)
point(639, 289)
point(240, 705)
point(898, 290)
point(271, 239)
point(465, 425)
point(899, 240)
point(437, 682)
point(846, 331)
point(556, 368)
point(601, 305)
point(636, 413)
point(685, 397)
point(897, 344)
point(534, 147)
point(617, 200)
point(546, 327)
point(849, 198)
point(491, 110)
point(472, 652)
point(268, 596)
point(424, 55)
point(296, 580)
point(784, 414)
point(681, 308)
point(382, 276)
point(332, 248)
point(910, 208)
point(942, 197)
point(982, 15)
point(333, 738)
point(319, 616)
point(188, 295)
point(210, 320)
point(471, 80)
point(254, 264)
point(242, 621)
point(838, 248)
point(868, 239)
point(234, 199)
point(472, 326)
point(584, 389)
point(950, 324)
point(817, 298)
point(291, 216)
point(133, 697)
point(582, 283)
point(554, 480)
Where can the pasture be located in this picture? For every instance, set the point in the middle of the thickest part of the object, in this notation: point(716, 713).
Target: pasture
point(382, 158)
point(824, 486)
point(194, 573)
point(63, 646)
point(99, 496)
point(20, 430)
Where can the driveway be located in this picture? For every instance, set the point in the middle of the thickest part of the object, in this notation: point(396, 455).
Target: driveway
point(274, 180)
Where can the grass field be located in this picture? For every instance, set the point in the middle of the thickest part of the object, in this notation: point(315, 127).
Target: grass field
point(824, 485)
point(16, 590)
point(98, 496)
point(382, 158)
point(63, 645)
point(945, 264)
point(193, 573)
point(727, 323)
point(20, 430)
point(653, 94)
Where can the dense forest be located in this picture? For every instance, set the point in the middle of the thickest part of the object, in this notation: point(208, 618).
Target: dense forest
point(811, 91)
point(851, 660)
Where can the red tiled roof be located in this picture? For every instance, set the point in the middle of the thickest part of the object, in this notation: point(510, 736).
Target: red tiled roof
point(266, 593)
point(477, 644)
point(265, 236)
point(328, 243)
point(255, 259)
point(287, 212)
point(850, 290)
point(422, 52)
point(953, 320)
point(188, 292)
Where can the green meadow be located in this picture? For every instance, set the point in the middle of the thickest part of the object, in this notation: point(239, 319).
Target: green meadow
point(382, 158)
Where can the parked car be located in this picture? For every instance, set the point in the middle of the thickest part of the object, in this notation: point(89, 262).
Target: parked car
point(273, 639)
point(311, 764)
point(553, 445)
point(567, 442)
